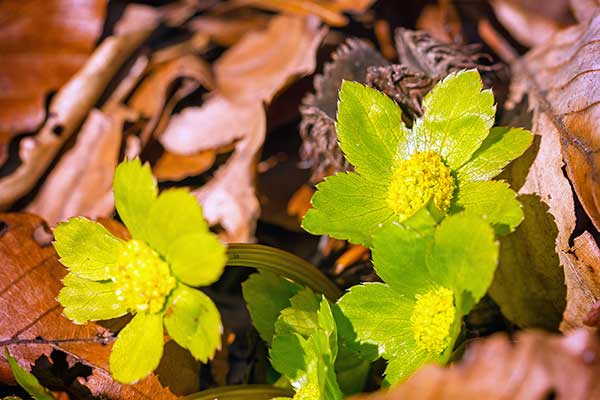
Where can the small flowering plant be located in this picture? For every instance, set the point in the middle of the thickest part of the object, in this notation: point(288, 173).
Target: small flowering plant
point(433, 276)
point(447, 158)
point(151, 276)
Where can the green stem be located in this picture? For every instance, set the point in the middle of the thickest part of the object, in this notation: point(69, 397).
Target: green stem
point(282, 263)
point(241, 392)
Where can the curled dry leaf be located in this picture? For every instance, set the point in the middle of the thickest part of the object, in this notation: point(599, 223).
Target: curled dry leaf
point(535, 366)
point(81, 182)
point(248, 75)
point(31, 281)
point(73, 102)
point(30, 33)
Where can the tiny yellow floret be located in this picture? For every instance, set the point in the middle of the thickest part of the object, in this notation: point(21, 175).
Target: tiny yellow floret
point(142, 278)
point(432, 319)
point(415, 181)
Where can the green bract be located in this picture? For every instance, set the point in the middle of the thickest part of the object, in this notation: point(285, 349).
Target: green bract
point(27, 380)
point(150, 276)
point(448, 157)
point(433, 277)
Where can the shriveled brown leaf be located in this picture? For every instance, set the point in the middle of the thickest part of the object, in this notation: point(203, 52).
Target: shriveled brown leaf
point(31, 281)
point(81, 182)
point(248, 75)
point(535, 366)
point(42, 44)
point(531, 22)
point(154, 100)
point(72, 103)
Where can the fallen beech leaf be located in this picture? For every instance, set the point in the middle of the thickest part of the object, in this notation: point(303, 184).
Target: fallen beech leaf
point(31, 281)
point(537, 366)
point(529, 22)
point(30, 34)
point(247, 75)
point(72, 103)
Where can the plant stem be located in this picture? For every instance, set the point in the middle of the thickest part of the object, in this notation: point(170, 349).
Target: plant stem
point(241, 392)
point(282, 263)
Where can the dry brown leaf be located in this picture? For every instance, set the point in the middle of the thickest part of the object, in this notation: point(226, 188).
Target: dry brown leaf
point(564, 80)
point(31, 281)
point(153, 99)
point(81, 182)
point(537, 366)
point(330, 11)
point(229, 29)
point(530, 22)
point(175, 167)
point(442, 22)
point(248, 75)
point(30, 34)
point(73, 102)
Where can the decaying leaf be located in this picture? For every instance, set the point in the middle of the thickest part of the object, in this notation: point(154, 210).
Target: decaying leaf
point(534, 366)
point(247, 75)
point(562, 79)
point(31, 315)
point(81, 182)
point(72, 103)
point(330, 11)
point(532, 22)
point(30, 34)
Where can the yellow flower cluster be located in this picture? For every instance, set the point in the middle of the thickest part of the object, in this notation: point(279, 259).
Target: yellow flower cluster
point(143, 279)
point(432, 319)
point(417, 180)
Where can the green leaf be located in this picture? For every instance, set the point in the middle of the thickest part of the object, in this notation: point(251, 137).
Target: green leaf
point(84, 300)
point(135, 191)
point(457, 118)
point(197, 259)
point(465, 255)
point(400, 255)
point(347, 206)
point(495, 201)
point(194, 322)
point(370, 131)
point(174, 214)
point(86, 248)
point(264, 310)
point(308, 362)
point(138, 348)
point(27, 380)
point(501, 147)
point(301, 317)
point(380, 316)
